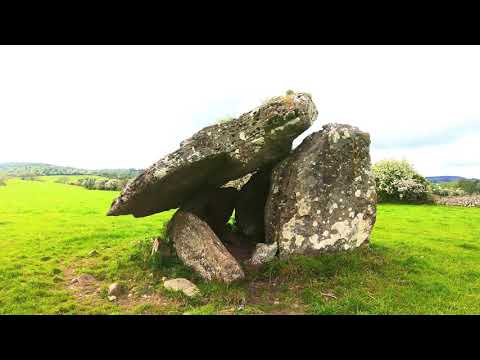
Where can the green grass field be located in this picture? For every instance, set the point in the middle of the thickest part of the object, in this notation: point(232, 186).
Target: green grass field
point(422, 260)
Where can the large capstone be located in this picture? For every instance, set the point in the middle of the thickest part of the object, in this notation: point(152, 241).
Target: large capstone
point(218, 154)
point(250, 206)
point(322, 197)
point(198, 247)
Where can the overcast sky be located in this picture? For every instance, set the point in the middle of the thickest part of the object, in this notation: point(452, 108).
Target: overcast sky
point(127, 106)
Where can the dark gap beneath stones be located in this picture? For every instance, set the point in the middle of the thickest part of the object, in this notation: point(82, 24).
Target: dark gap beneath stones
point(240, 246)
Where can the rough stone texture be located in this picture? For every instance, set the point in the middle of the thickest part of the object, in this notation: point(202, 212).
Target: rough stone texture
point(116, 289)
point(183, 285)
point(83, 279)
point(198, 246)
point(218, 154)
point(238, 183)
point(263, 253)
point(161, 248)
point(250, 206)
point(215, 207)
point(465, 201)
point(93, 253)
point(322, 197)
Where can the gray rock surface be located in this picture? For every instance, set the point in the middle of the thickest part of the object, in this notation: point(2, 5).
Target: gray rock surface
point(263, 253)
point(83, 279)
point(116, 289)
point(161, 248)
point(322, 197)
point(238, 183)
point(465, 201)
point(183, 285)
point(93, 253)
point(218, 154)
point(250, 206)
point(198, 247)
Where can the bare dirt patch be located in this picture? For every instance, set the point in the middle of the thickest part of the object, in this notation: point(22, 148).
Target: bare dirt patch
point(239, 246)
point(269, 293)
point(88, 290)
point(84, 287)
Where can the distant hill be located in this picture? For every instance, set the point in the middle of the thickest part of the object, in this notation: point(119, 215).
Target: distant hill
point(443, 179)
point(440, 179)
point(40, 169)
point(18, 168)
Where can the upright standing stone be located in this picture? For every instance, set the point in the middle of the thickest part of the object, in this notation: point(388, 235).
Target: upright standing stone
point(322, 197)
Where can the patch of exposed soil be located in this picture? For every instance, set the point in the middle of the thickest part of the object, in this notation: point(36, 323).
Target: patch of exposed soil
point(87, 290)
point(83, 286)
point(132, 301)
point(238, 245)
point(269, 293)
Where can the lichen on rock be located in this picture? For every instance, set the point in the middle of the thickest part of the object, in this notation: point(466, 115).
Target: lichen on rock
point(218, 154)
point(322, 197)
point(263, 253)
point(198, 247)
point(319, 197)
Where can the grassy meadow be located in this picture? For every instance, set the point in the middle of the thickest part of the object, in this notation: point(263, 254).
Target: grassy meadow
point(423, 259)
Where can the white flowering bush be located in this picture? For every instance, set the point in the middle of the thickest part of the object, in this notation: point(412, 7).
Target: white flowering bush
point(398, 181)
point(88, 183)
point(111, 184)
point(99, 184)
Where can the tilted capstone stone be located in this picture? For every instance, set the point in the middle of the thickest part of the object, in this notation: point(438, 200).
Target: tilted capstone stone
point(217, 154)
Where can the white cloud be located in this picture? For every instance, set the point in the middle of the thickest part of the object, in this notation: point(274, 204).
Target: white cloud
point(113, 106)
point(459, 157)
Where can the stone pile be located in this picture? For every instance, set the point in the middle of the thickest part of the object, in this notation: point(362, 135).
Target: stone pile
point(319, 197)
point(465, 201)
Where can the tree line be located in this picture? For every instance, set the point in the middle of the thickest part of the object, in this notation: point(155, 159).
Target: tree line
point(31, 170)
point(470, 186)
point(96, 184)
